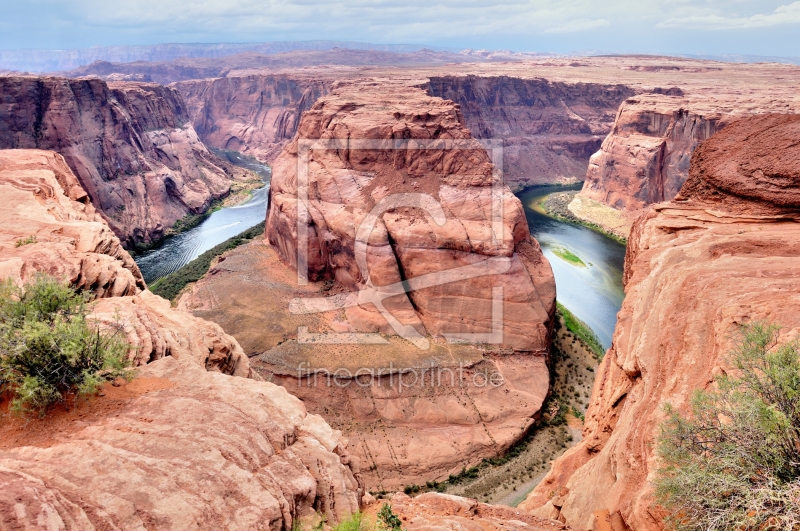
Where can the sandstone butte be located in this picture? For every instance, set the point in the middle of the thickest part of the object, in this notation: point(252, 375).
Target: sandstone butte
point(725, 252)
point(183, 445)
point(421, 430)
point(131, 146)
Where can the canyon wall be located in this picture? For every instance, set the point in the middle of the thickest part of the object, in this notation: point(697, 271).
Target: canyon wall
point(251, 113)
point(130, 145)
point(645, 158)
point(549, 129)
point(723, 253)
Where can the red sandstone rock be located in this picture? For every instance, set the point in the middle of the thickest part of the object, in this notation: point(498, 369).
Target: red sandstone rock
point(726, 253)
point(43, 203)
point(130, 145)
point(189, 450)
point(347, 183)
point(440, 512)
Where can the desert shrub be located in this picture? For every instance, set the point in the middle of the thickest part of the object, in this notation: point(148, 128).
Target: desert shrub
point(389, 520)
point(734, 463)
point(48, 348)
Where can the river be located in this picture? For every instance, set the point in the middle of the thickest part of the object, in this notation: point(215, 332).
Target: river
point(177, 251)
point(593, 291)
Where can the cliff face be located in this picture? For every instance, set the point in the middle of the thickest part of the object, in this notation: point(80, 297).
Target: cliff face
point(724, 253)
point(253, 114)
point(183, 444)
point(549, 129)
point(431, 164)
point(646, 157)
point(130, 145)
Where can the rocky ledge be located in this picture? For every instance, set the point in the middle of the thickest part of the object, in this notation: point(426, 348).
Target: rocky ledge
point(724, 253)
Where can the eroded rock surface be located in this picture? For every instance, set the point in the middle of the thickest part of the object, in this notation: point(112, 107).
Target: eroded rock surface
point(435, 512)
point(445, 414)
point(192, 449)
point(725, 253)
point(50, 225)
point(645, 159)
point(549, 129)
point(131, 146)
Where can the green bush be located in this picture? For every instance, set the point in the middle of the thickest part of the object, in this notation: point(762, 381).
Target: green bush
point(356, 522)
point(388, 519)
point(48, 349)
point(734, 463)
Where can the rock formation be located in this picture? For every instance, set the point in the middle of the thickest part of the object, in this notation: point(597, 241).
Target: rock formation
point(180, 448)
point(251, 113)
point(724, 253)
point(549, 129)
point(424, 413)
point(430, 203)
point(50, 225)
point(130, 145)
point(434, 511)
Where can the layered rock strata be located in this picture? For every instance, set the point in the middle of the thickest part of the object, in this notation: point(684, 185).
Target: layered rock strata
point(549, 129)
point(182, 448)
point(414, 409)
point(49, 226)
point(645, 159)
point(723, 254)
point(433, 511)
point(131, 146)
point(251, 113)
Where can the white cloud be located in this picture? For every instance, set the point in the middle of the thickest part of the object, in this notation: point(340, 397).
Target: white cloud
point(784, 14)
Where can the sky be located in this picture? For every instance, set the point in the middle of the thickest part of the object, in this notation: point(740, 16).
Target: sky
point(754, 27)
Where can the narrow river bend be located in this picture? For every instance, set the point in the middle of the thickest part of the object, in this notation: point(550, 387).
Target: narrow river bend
point(593, 291)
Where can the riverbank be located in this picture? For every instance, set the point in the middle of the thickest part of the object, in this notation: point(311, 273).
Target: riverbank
point(508, 479)
point(571, 207)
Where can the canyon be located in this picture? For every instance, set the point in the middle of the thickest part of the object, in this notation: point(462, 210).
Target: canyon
point(318, 363)
point(722, 254)
point(130, 145)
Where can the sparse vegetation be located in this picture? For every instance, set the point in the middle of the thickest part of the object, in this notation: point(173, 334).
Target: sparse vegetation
point(388, 519)
point(582, 330)
point(48, 347)
point(25, 241)
point(169, 286)
point(356, 522)
point(734, 462)
point(568, 256)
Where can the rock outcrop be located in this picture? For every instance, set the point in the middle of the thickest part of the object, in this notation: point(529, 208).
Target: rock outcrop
point(418, 198)
point(427, 408)
point(182, 445)
point(549, 129)
point(181, 448)
point(724, 253)
point(432, 511)
point(131, 146)
point(251, 113)
point(50, 225)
